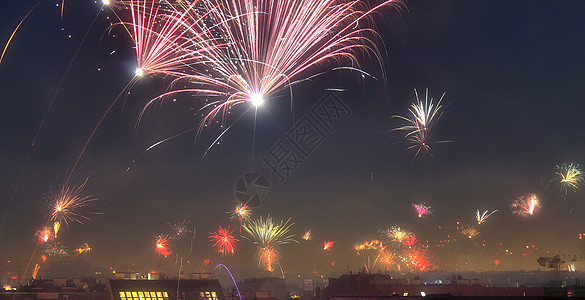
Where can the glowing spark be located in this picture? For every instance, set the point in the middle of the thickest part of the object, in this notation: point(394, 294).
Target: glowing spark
point(422, 209)
point(420, 124)
point(327, 245)
point(162, 246)
point(139, 72)
point(482, 217)
point(307, 235)
point(224, 241)
point(257, 100)
point(469, 232)
point(106, 2)
point(526, 206)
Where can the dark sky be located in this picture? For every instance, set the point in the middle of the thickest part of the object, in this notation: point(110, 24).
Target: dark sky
point(512, 71)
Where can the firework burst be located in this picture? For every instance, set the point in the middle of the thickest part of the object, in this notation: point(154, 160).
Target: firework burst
point(395, 233)
point(307, 235)
point(243, 52)
point(422, 209)
point(327, 245)
point(267, 235)
point(420, 124)
point(526, 206)
point(224, 240)
point(469, 232)
point(44, 235)
point(242, 212)
point(482, 217)
point(162, 245)
point(84, 248)
point(65, 203)
point(569, 176)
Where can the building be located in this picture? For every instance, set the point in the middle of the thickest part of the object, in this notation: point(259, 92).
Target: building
point(377, 286)
point(165, 289)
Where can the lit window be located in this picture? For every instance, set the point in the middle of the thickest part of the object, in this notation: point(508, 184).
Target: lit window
point(141, 294)
point(159, 294)
point(213, 294)
point(165, 294)
point(122, 295)
point(135, 294)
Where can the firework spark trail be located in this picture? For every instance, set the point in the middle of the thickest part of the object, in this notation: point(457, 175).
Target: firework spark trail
point(224, 240)
point(526, 206)
point(469, 232)
point(41, 125)
point(422, 209)
point(482, 217)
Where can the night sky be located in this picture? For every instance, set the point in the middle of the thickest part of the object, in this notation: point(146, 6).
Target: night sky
point(512, 71)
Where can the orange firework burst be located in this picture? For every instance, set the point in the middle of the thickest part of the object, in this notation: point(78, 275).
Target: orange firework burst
point(65, 203)
point(162, 246)
point(469, 232)
point(83, 248)
point(307, 235)
point(224, 240)
point(327, 245)
point(526, 206)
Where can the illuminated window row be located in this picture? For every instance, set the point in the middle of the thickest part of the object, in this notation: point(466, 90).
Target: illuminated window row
point(208, 295)
point(144, 296)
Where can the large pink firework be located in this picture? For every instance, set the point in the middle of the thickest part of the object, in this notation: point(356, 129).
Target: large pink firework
point(237, 52)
